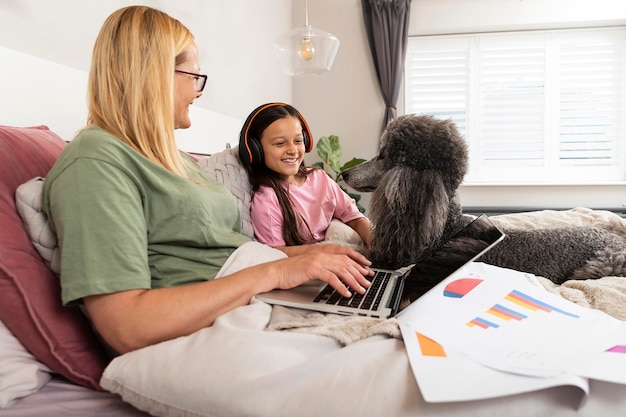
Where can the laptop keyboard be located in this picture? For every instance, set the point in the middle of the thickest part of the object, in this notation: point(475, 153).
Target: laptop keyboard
point(370, 300)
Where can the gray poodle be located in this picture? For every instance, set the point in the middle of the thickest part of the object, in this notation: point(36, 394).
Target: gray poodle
point(414, 208)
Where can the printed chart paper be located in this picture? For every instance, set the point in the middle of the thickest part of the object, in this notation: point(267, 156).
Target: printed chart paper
point(538, 340)
point(448, 376)
point(491, 315)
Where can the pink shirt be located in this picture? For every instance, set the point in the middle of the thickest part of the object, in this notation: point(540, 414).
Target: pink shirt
point(318, 200)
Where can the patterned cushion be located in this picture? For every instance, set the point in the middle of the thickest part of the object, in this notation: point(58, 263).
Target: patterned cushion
point(225, 167)
point(28, 203)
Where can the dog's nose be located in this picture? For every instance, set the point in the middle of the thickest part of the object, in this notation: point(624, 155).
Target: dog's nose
point(345, 174)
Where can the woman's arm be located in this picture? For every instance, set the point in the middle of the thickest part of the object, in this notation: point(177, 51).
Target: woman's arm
point(129, 320)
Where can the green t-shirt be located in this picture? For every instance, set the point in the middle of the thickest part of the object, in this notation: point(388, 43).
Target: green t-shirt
point(124, 222)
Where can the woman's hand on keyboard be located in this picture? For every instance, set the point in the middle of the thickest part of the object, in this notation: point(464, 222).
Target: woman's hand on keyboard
point(343, 268)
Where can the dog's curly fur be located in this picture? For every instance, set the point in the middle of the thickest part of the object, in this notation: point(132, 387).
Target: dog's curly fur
point(414, 207)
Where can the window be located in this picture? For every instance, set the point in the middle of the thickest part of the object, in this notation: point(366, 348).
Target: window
point(536, 107)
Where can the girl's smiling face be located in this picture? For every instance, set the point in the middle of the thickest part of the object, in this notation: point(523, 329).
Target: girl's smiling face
point(283, 147)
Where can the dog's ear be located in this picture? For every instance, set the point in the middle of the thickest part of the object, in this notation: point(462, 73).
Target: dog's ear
point(409, 210)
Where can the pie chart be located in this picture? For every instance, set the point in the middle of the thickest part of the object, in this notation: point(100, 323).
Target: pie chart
point(460, 287)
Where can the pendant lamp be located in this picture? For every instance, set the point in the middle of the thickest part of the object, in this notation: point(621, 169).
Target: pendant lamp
point(306, 50)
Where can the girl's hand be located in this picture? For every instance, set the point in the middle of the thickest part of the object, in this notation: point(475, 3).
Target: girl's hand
point(328, 248)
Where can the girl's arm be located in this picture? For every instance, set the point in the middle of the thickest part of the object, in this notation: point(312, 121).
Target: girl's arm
point(363, 227)
point(265, 213)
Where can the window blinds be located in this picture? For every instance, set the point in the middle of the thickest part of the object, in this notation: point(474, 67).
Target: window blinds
point(535, 107)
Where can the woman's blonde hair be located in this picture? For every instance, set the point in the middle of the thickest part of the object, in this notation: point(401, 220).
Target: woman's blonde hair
point(131, 81)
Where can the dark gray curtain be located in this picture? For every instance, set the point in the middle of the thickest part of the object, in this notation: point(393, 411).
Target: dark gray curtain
point(387, 26)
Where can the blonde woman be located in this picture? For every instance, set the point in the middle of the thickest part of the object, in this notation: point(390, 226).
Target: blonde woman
point(142, 231)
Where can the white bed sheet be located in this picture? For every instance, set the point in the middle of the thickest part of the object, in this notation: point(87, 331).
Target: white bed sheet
point(61, 398)
point(236, 368)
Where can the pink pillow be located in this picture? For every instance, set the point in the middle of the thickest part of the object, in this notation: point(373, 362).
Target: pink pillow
point(30, 295)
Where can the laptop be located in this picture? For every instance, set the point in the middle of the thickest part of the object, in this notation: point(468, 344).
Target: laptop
point(382, 299)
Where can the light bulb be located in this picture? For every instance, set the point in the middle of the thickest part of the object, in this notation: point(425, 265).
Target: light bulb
point(306, 50)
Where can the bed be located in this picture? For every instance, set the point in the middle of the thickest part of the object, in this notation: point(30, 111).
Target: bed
point(51, 364)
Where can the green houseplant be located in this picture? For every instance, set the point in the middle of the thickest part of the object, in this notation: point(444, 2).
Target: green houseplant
point(330, 152)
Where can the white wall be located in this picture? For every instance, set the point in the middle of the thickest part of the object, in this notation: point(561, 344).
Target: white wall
point(234, 40)
point(35, 91)
point(434, 17)
point(347, 102)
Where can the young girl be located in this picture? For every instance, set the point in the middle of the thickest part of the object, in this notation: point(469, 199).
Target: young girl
point(292, 204)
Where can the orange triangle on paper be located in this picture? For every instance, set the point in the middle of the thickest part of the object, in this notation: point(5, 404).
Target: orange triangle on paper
point(429, 347)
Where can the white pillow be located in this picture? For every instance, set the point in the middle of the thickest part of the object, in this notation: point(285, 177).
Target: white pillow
point(20, 373)
point(28, 204)
point(236, 368)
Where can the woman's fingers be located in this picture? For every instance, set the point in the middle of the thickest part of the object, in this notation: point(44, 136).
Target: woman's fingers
point(344, 274)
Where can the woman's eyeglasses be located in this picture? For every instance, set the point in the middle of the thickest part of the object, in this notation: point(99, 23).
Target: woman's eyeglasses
point(200, 79)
